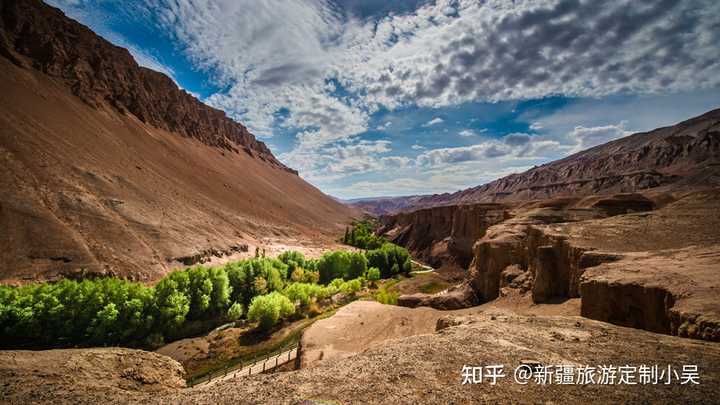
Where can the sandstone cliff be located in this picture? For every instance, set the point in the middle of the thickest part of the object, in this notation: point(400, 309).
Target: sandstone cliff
point(654, 270)
point(443, 236)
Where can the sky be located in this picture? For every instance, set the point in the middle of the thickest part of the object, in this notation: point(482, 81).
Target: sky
point(387, 98)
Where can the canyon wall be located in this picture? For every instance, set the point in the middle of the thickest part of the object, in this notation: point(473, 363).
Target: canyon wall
point(607, 263)
point(443, 236)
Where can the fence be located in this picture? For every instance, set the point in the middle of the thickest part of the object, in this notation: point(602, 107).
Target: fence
point(256, 366)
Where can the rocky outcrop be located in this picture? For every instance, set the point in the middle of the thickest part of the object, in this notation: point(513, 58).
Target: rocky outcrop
point(457, 297)
point(553, 265)
point(671, 291)
point(443, 236)
point(624, 204)
point(607, 263)
point(37, 36)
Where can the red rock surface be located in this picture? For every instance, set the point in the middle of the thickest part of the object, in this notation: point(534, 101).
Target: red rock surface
point(100, 73)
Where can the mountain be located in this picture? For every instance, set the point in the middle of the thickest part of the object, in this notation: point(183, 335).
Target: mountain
point(384, 205)
point(683, 155)
point(109, 168)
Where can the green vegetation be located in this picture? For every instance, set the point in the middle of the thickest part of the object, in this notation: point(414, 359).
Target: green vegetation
point(110, 311)
point(373, 275)
point(385, 296)
point(390, 259)
point(341, 264)
point(362, 235)
point(268, 309)
point(235, 312)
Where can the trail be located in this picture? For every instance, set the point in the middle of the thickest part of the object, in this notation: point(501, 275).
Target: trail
point(256, 368)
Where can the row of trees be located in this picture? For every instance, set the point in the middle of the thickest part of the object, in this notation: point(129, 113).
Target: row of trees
point(362, 235)
point(116, 312)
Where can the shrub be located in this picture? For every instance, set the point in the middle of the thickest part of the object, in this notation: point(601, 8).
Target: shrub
point(384, 296)
point(373, 275)
point(351, 287)
point(268, 309)
point(292, 256)
point(311, 276)
point(297, 275)
point(235, 311)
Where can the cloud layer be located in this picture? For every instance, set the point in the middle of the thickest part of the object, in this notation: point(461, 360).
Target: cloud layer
point(322, 70)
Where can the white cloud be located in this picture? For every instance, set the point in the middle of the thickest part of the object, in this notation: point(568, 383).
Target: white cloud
point(276, 55)
point(383, 127)
point(467, 133)
point(288, 54)
point(593, 136)
point(434, 121)
point(481, 151)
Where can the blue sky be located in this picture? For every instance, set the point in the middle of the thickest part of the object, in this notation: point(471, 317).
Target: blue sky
point(376, 98)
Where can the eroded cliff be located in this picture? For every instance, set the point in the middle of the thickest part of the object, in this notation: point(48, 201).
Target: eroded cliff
point(652, 270)
point(443, 236)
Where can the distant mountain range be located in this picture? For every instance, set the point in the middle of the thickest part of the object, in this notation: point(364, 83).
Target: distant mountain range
point(683, 155)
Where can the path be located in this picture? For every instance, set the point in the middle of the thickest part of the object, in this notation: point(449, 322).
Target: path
point(256, 368)
point(427, 269)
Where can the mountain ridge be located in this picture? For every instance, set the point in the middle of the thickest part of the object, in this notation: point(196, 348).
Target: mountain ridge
point(684, 154)
point(98, 72)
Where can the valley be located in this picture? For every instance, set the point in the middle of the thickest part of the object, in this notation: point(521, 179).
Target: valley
point(154, 249)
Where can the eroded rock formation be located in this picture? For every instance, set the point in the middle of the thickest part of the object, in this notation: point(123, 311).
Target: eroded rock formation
point(443, 236)
point(653, 271)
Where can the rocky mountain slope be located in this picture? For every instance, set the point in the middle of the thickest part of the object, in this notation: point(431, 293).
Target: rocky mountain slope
point(108, 168)
point(385, 205)
point(36, 36)
point(683, 155)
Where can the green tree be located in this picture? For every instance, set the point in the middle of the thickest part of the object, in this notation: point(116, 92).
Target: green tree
point(235, 311)
point(292, 256)
point(373, 274)
point(333, 265)
point(268, 309)
point(357, 266)
point(221, 290)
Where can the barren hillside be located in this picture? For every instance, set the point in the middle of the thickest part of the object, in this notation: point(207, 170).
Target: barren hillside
point(107, 167)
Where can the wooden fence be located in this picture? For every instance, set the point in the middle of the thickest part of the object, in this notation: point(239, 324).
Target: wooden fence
point(256, 366)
